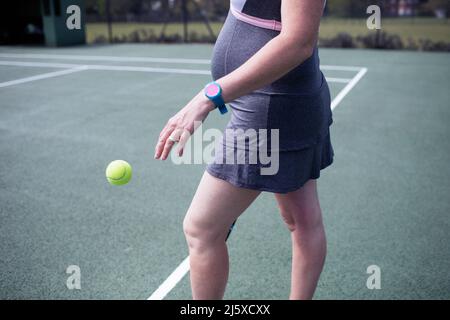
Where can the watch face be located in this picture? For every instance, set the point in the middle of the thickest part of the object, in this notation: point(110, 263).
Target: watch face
point(212, 90)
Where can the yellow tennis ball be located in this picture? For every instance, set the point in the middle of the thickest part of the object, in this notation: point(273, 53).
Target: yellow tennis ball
point(118, 172)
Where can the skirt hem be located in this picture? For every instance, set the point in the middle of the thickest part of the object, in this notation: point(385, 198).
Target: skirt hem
point(240, 184)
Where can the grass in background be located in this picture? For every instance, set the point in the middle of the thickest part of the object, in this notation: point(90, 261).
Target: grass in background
point(95, 30)
point(413, 28)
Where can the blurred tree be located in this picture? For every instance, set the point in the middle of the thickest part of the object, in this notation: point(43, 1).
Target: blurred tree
point(156, 9)
point(352, 8)
point(95, 7)
point(437, 7)
point(339, 7)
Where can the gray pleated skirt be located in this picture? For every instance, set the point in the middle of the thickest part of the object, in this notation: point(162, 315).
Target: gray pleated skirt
point(295, 168)
point(297, 106)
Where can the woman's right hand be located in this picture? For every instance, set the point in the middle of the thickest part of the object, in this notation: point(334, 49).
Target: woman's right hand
point(182, 125)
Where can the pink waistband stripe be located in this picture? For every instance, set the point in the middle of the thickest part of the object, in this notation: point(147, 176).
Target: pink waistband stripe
point(263, 23)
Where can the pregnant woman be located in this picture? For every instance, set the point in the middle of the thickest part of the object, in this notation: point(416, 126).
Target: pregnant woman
point(265, 66)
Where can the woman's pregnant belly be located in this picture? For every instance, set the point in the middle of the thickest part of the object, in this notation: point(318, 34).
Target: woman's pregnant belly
point(297, 104)
point(238, 41)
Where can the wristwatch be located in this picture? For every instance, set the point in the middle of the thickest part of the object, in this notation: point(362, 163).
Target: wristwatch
point(213, 92)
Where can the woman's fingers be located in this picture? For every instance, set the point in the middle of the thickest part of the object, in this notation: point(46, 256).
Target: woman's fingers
point(179, 128)
point(170, 126)
point(170, 141)
point(164, 135)
point(183, 139)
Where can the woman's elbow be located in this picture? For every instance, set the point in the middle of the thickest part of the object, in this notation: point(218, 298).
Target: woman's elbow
point(306, 51)
point(300, 48)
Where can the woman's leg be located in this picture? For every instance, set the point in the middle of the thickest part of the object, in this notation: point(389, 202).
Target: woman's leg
point(216, 204)
point(301, 211)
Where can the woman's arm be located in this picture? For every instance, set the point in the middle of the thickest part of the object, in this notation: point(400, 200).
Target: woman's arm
point(294, 44)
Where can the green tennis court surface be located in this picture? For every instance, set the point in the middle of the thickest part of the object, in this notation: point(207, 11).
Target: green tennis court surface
point(66, 113)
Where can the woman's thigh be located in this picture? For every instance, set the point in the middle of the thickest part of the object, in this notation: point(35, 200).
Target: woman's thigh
point(214, 207)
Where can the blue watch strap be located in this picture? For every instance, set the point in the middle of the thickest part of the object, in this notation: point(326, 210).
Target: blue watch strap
point(222, 107)
point(213, 92)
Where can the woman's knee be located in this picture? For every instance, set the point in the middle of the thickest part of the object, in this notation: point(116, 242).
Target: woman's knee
point(199, 234)
point(302, 217)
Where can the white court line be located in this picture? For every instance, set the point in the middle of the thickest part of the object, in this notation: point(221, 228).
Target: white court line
point(347, 88)
point(183, 268)
point(102, 58)
point(339, 80)
point(42, 76)
point(148, 69)
point(171, 281)
point(341, 68)
point(124, 68)
point(138, 59)
point(39, 64)
point(103, 67)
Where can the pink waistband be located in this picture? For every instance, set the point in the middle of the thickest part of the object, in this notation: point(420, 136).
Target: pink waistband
point(263, 23)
